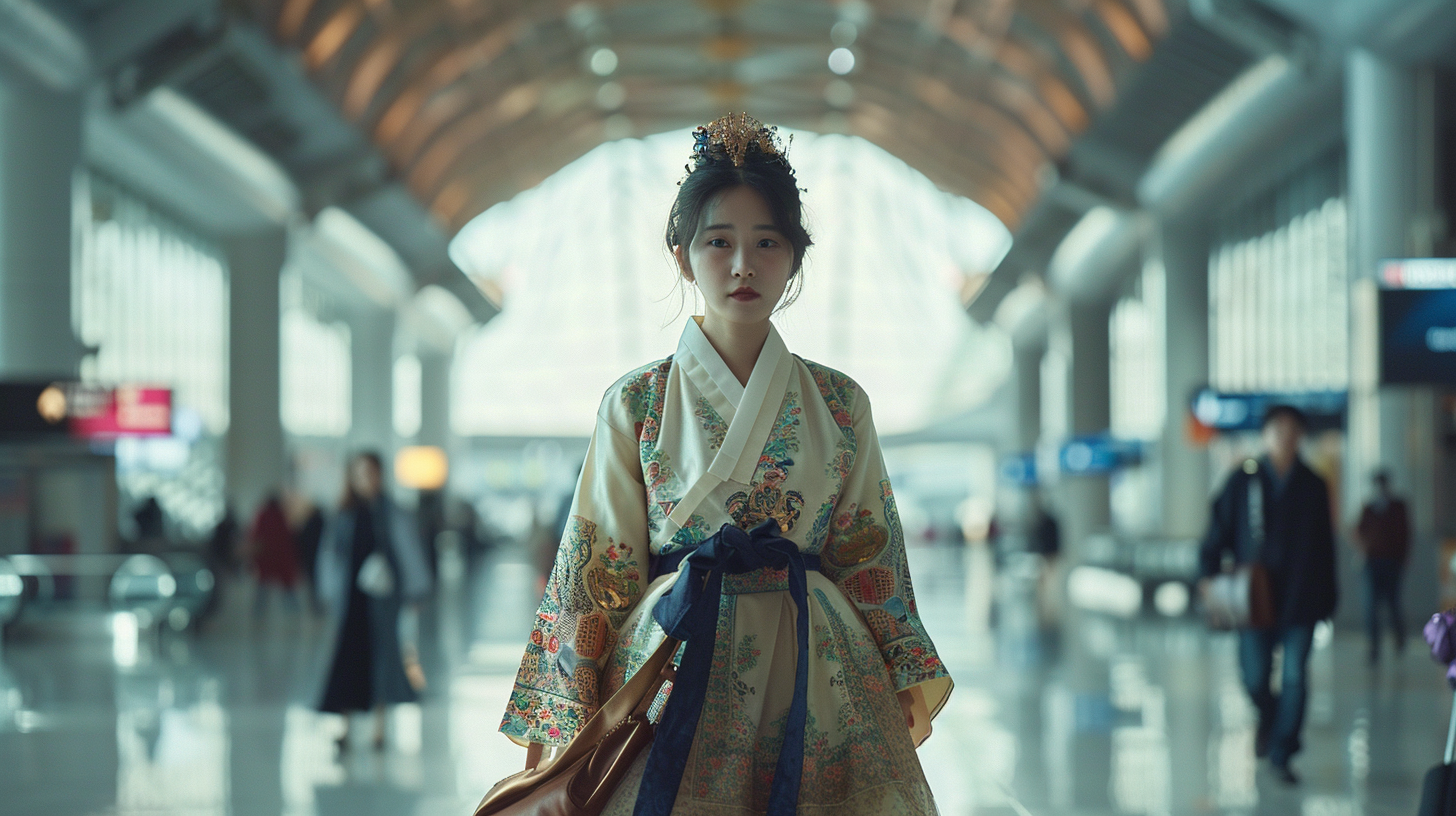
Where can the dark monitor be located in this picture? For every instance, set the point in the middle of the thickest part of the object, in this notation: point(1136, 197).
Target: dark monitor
point(1418, 336)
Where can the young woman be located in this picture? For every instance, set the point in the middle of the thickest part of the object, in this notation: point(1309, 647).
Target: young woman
point(735, 452)
point(370, 564)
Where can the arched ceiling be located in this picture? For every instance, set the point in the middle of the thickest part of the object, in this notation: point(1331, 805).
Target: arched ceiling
point(472, 101)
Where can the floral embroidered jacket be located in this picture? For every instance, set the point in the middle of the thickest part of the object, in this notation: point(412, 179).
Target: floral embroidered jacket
point(806, 455)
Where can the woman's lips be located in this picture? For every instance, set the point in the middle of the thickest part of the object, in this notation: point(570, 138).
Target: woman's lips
point(745, 294)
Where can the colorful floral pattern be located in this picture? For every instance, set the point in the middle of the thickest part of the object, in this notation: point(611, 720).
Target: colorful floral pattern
point(836, 390)
point(713, 424)
point(766, 497)
point(644, 394)
point(595, 628)
point(612, 581)
point(855, 740)
point(855, 537)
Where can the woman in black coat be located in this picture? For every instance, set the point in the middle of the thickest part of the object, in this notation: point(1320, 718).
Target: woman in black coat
point(370, 565)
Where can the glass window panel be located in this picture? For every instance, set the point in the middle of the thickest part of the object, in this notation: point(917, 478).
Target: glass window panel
point(407, 396)
point(150, 303)
point(1279, 290)
point(315, 398)
point(590, 288)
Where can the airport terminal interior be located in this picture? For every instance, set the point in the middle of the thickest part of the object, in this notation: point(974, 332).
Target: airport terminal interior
point(1074, 250)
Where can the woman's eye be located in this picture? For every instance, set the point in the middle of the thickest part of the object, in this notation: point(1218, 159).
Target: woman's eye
point(768, 242)
point(717, 242)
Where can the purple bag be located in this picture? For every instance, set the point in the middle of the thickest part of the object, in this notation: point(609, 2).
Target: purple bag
point(1440, 633)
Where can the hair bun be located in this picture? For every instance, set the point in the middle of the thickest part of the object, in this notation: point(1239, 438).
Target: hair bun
point(735, 138)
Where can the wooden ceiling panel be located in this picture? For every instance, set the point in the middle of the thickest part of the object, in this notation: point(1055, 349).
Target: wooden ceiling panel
point(472, 100)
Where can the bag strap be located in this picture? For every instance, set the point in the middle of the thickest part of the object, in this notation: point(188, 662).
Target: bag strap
point(1256, 507)
point(1451, 734)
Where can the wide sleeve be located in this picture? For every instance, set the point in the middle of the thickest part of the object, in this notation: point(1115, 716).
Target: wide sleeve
point(864, 554)
point(597, 578)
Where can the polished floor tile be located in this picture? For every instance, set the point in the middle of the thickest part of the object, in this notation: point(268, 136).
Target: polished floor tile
point(1087, 715)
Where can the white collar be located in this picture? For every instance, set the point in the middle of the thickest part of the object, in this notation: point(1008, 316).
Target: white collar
point(752, 417)
point(695, 343)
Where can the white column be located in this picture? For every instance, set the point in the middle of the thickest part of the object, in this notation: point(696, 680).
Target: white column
point(1026, 371)
point(1183, 475)
point(1391, 428)
point(435, 399)
point(256, 458)
point(372, 374)
point(40, 149)
point(1078, 349)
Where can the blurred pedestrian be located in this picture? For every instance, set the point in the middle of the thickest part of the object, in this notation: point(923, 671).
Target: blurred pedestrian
point(274, 555)
point(1045, 541)
point(370, 566)
point(306, 521)
point(222, 546)
point(1383, 537)
point(220, 557)
point(1046, 533)
point(151, 526)
point(1275, 511)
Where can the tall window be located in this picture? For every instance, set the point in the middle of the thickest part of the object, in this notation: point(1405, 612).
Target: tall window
point(1279, 289)
point(315, 388)
point(150, 303)
point(1139, 381)
point(408, 397)
point(588, 287)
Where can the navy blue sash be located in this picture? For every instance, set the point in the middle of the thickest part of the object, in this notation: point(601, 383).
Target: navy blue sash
point(689, 612)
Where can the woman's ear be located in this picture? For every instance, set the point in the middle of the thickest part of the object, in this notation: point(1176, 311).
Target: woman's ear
point(680, 254)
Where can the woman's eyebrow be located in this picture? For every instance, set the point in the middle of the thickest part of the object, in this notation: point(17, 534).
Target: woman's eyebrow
point(768, 227)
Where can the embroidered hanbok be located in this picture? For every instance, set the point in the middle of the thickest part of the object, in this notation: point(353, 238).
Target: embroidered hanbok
point(681, 447)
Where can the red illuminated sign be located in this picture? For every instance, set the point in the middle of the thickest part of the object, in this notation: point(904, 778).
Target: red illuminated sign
point(105, 413)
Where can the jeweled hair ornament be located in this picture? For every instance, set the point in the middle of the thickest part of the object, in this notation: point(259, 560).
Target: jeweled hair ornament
point(730, 138)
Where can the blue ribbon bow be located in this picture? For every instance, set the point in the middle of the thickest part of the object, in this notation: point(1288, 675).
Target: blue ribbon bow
point(689, 612)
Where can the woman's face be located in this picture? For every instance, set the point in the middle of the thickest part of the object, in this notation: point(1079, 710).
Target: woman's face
point(738, 259)
point(364, 478)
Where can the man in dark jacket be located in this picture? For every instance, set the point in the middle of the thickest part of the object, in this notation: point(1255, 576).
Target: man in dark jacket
point(1383, 535)
point(1275, 511)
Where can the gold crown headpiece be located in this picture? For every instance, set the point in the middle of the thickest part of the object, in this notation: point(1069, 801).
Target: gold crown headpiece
point(729, 137)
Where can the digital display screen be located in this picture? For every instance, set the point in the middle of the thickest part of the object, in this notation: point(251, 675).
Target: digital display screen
point(1418, 336)
point(38, 410)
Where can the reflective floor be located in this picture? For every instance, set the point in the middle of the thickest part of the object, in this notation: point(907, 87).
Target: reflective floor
point(1105, 717)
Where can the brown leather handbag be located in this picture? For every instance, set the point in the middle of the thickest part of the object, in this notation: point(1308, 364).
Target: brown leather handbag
point(585, 773)
point(1241, 599)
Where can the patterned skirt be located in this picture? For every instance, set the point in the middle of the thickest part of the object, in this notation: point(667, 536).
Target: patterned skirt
point(858, 756)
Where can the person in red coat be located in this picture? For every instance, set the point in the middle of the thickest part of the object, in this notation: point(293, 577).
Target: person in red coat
point(1383, 536)
point(275, 555)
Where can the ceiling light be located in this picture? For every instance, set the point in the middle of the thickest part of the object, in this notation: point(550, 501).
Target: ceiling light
point(843, 33)
point(841, 61)
point(604, 61)
point(611, 95)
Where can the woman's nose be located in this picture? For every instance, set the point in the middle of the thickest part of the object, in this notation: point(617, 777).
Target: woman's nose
point(741, 267)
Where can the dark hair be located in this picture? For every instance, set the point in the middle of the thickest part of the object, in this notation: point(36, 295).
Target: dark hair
point(769, 176)
point(1283, 410)
point(352, 499)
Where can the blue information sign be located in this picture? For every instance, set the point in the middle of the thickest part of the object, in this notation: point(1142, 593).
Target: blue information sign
point(1245, 412)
